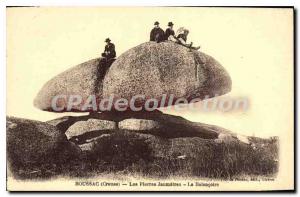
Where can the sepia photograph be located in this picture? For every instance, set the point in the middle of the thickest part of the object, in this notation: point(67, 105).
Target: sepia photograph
point(162, 98)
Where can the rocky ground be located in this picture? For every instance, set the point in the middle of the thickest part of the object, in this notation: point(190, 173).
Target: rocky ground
point(149, 144)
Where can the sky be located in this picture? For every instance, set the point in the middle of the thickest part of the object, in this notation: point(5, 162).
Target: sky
point(255, 46)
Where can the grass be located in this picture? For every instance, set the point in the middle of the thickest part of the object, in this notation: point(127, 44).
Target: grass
point(129, 153)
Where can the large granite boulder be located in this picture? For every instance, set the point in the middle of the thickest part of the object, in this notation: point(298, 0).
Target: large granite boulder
point(150, 69)
point(81, 80)
point(153, 69)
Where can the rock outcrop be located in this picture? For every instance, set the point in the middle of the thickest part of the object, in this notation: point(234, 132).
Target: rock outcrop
point(151, 143)
point(84, 131)
point(33, 143)
point(29, 140)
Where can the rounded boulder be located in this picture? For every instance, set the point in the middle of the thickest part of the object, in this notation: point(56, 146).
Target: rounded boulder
point(156, 69)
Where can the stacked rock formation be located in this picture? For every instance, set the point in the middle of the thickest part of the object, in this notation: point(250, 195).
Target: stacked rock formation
point(150, 69)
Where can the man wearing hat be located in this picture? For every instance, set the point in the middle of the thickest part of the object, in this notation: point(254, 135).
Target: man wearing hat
point(170, 33)
point(109, 50)
point(109, 54)
point(157, 34)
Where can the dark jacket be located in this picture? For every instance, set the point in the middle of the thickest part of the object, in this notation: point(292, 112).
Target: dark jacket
point(109, 51)
point(157, 35)
point(169, 32)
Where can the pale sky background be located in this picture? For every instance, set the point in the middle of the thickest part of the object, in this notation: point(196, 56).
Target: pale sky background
point(255, 46)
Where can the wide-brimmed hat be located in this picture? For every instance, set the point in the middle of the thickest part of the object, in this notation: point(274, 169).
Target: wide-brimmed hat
point(170, 24)
point(107, 40)
point(156, 23)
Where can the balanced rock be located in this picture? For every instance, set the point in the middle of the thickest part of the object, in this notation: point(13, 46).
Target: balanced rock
point(138, 124)
point(153, 69)
point(81, 80)
point(150, 69)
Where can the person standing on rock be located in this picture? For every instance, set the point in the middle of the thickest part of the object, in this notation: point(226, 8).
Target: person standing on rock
point(182, 38)
point(157, 34)
point(170, 33)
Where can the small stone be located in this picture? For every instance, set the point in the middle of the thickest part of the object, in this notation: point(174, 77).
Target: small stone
point(225, 137)
point(243, 139)
point(96, 138)
point(138, 124)
point(82, 127)
point(90, 143)
point(11, 125)
point(87, 146)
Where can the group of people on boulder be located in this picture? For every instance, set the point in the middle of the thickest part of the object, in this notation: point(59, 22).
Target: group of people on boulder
point(157, 34)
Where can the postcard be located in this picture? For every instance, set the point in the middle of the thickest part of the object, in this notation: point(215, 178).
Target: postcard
point(150, 98)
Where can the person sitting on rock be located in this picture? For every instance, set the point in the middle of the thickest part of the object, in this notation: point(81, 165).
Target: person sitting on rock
point(157, 34)
point(182, 38)
point(109, 54)
point(170, 33)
